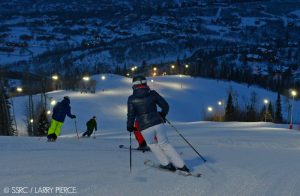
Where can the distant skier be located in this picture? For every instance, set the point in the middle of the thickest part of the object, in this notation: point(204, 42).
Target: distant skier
point(90, 126)
point(139, 137)
point(60, 110)
point(142, 106)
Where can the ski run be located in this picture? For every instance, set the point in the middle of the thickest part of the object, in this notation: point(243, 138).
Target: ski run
point(242, 158)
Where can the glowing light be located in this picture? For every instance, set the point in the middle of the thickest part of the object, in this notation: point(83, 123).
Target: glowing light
point(186, 66)
point(19, 89)
point(266, 101)
point(86, 78)
point(173, 66)
point(293, 93)
point(48, 112)
point(53, 102)
point(31, 121)
point(210, 109)
point(55, 77)
point(220, 103)
point(103, 77)
point(154, 69)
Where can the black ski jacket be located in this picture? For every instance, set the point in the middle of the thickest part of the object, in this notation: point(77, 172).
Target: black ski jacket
point(142, 106)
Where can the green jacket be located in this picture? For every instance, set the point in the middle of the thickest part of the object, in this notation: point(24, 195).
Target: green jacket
point(91, 124)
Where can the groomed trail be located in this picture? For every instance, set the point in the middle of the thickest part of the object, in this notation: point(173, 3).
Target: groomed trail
point(242, 159)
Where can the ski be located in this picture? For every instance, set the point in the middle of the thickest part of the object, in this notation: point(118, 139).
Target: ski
point(183, 173)
point(136, 149)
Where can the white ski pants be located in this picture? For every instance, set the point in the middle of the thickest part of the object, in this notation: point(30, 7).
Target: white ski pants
point(157, 140)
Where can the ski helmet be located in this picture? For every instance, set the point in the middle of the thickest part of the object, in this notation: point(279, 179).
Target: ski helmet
point(67, 98)
point(136, 80)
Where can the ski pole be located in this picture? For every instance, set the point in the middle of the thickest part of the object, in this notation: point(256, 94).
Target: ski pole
point(130, 158)
point(76, 128)
point(186, 140)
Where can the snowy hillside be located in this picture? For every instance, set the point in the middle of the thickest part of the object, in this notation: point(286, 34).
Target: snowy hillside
point(242, 158)
point(188, 98)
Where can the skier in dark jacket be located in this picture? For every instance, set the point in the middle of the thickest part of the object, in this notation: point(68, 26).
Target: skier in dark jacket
point(90, 126)
point(142, 106)
point(60, 110)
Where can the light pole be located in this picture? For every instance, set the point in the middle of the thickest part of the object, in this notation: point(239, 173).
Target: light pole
point(86, 79)
point(103, 77)
point(152, 81)
point(132, 71)
point(19, 90)
point(180, 76)
point(221, 104)
point(55, 79)
point(172, 69)
point(154, 73)
point(210, 110)
point(186, 68)
point(293, 93)
point(266, 101)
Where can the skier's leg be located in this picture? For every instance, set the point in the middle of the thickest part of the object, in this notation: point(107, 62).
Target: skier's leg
point(51, 129)
point(58, 128)
point(167, 148)
point(90, 132)
point(149, 135)
point(84, 134)
point(139, 137)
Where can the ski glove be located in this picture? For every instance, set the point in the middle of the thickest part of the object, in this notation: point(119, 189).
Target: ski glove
point(130, 129)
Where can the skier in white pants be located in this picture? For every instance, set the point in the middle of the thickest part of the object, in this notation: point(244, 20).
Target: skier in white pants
point(142, 106)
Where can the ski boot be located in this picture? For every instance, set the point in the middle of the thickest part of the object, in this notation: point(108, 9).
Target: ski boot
point(170, 167)
point(184, 168)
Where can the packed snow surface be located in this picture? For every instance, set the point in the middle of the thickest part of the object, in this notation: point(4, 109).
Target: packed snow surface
point(242, 158)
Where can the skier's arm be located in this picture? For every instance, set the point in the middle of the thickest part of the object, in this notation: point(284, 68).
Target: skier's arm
point(162, 103)
point(130, 115)
point(68, 112)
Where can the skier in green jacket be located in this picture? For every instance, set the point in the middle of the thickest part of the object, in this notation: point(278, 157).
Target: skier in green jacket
point(91, 125)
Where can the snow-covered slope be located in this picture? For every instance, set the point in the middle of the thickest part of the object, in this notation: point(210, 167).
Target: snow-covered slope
point(243, 158)
point(188, 98)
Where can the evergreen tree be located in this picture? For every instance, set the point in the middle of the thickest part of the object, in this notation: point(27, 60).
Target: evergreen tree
point(270, 116)
point(43, 124)
point(5, 120)
point(278, 114)
point(230, 110)
point(265, 114)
